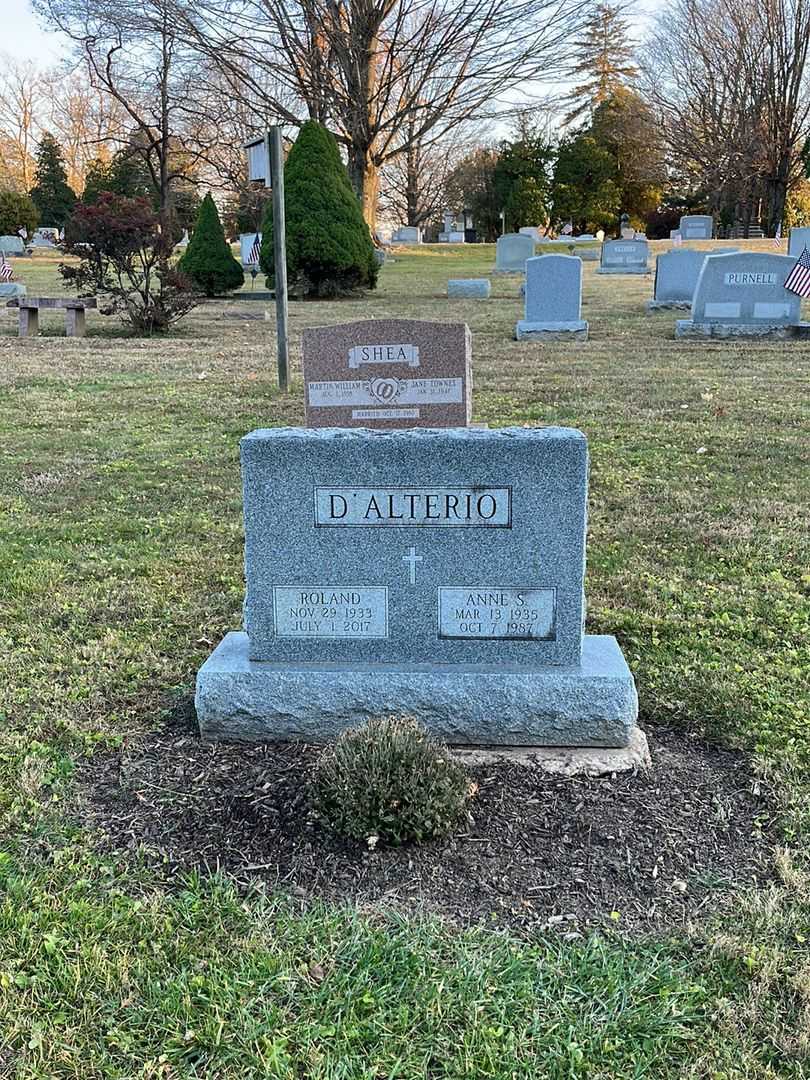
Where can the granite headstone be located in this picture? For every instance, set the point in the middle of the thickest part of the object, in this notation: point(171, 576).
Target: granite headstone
point(696, 226)
point(676, 275)
point(388, 373)
point(624, 257)
point(553, 299)
point(435, 574)
point(12, 245)
point(743, 295)
point(511, 252)
point(798, 240)
point(469, 288)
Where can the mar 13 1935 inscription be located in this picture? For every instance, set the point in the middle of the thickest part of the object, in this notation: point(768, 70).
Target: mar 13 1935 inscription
point(497, 612)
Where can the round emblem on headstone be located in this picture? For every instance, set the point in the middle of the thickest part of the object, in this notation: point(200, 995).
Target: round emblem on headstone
point(385, 390)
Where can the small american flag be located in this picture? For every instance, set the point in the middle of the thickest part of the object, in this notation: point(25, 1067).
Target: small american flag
point(567, 229)
point(777, 236)
point(798, 280)
point(6, 273)
point(255, 251)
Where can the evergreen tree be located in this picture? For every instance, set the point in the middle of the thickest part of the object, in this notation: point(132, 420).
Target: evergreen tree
point(521, 178)
point(52, 195)
point(208, 260)
point(17, 212)
point(604, 62)
point(329, 248)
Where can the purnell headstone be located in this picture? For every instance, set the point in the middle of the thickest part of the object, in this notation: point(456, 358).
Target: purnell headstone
point(553, 299)
point(434, 574)
point(696, 227)
point(624, 257)
point(511, 252)
point(388, 373)
point(743, 295)
point(676, 275)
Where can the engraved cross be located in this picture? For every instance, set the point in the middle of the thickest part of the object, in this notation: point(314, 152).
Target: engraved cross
point(412, 559)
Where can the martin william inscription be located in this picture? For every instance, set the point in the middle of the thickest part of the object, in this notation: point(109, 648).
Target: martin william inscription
point(439, 507)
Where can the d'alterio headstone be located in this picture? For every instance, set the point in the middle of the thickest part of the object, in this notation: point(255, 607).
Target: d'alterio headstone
point(511, 252)
point(624, 257)
point(676, 275)
point(434, 574)
point(388, 373)
point(696, 227)
point(553, 299)
point(744, 295)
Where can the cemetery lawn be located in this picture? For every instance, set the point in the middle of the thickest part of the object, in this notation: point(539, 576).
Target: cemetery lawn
point(138, 935)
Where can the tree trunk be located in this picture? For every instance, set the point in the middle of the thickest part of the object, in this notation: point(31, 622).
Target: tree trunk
point(412, 189)
point(364, 175)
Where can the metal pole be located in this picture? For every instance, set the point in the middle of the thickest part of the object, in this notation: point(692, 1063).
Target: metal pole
point(280, 251)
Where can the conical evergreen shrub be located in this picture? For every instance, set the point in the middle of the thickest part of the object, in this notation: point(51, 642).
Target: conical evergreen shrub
point(329, 248)
point(208, 260)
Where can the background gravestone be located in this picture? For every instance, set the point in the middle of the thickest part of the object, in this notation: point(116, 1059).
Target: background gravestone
point(676, 275)
point(388, 373)
point(798, 240)
point(511, 252)
point(12, 245)
point(553, 307)
point(743, 295)
point(696, 226)
point(624, 257)
point(436, 574)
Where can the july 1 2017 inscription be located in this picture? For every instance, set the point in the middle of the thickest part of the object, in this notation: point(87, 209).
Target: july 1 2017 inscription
point(326, 611)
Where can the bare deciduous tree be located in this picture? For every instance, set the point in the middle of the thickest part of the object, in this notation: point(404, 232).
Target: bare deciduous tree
point(730, 84)
point(374, 69)
point(21, 104)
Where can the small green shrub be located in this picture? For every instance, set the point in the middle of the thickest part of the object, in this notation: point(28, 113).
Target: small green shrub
point(208, 260)
point(390, 781)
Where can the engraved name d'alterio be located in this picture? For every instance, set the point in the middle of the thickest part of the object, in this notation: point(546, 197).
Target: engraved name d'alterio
point(460, 507)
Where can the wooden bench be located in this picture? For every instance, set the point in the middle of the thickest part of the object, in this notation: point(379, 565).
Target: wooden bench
point(30, 307)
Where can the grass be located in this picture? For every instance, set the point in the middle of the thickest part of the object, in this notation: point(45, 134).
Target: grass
point(121, 564)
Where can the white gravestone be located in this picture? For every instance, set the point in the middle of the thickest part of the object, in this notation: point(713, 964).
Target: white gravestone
point(799, 240)
point(511, 252)
point(553, 299)
point(12, 245)
point(697, 227)
point(624, 257)
point(407, 234)
point(743, 295)
point(676, 275)
point(532, 231)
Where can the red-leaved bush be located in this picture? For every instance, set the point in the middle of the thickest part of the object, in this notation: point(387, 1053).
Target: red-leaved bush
point(122, 259)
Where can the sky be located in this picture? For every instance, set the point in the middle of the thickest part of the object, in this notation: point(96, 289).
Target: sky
point(22, 37)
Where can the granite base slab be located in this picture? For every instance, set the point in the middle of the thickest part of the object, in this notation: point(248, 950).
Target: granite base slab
point(623, 270)
point(552, 331)
point(565, 760)
point(591, 704)
point(469, 288)
point(688, 328)
point(669, 305)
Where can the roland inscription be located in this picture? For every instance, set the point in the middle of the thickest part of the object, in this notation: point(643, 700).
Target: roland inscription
point(747, 277)
point(424, 507)
point(330, 611)
point(494, 611)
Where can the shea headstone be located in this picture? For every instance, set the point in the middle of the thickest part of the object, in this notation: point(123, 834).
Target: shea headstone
point(388, 373)
point(743, 295)
point(434, 574)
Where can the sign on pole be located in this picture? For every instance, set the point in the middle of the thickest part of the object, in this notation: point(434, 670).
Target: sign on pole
point(266, 164)
point(279, 251)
